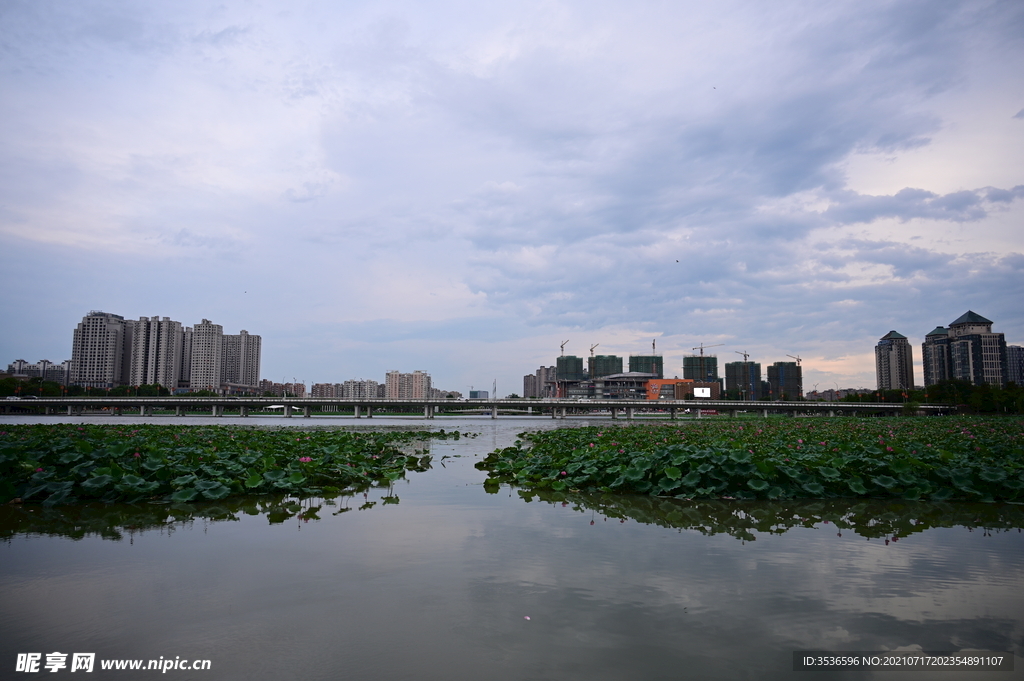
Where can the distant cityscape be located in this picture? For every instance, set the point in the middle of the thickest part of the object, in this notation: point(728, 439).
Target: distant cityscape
point(968, 350)
point(109, 351)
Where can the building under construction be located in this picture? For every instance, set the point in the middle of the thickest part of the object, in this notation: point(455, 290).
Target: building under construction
point(744, 378)
point(647, 364)
point(785, 381)
point(700, 367)
point(603, 365)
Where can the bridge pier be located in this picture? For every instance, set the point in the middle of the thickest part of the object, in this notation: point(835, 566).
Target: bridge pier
point(355, 410)
point(306, 412)
point(287, 411)
point(369, 411)
point(672, 413)
point(243, 411)
point(615, 413)
point(733, 413)
point(629, 413)
point(764, 413)
point(142, 410)
point(832, 412)
point(71, 411)
point(494, 412)
point(177, 410)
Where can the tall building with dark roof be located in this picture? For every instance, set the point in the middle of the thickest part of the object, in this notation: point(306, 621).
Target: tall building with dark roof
point(935, 356)
point(894, 362)
point(975, 353)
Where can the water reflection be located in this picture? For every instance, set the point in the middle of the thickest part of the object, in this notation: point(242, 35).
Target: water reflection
point(437, 579)
point(874, 519)
point(116, 522)
point(881, 519)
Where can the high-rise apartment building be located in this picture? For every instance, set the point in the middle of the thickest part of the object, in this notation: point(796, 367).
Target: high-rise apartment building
point(530, 385)
point(569, 368)
point(207, 356)
point(101, 351)
point(156, 352)
point(700, 368)
point(541, 383)
point(185, 370)
point(241, 358)
point(744, 377)
point(785, 381)
point(604, 365)
point(414, 386)
point(44, 369)
point(647, 364)
point(967, 351)
point(894, 362)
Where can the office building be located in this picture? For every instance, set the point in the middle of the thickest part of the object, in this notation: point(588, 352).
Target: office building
point(894, 362)
point(935, 356)
point(967, 351)
point(976, 354)
point(1015, 365)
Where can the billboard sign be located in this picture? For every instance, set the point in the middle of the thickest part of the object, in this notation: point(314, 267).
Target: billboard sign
point(702, 392)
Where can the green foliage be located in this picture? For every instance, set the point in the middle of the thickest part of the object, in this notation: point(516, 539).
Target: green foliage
point(937, 458)
point(61, 463)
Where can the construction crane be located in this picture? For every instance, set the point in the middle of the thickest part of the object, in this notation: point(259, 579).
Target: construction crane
point(563, 348)
point(654, 342)
point(796, 357)
point(592, 348)
point(745, 354)
point(703, 375)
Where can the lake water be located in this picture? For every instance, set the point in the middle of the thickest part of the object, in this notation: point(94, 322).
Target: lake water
point(436, 578)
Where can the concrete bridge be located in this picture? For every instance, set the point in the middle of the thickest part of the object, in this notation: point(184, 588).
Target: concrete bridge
point(558, 408)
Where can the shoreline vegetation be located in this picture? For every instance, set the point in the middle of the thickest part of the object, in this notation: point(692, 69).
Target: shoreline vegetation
point(67, 463)
point(977, 459)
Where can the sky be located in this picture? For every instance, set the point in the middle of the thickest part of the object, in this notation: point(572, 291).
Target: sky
point(459, 187)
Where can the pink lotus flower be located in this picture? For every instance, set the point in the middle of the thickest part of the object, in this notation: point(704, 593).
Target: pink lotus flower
point(305, 459)
point(39, 470)
point(564, 473)
point(136, 455)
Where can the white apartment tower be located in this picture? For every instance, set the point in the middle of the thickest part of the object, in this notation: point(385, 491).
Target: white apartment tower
point(101, 351)
point(241, 359)
point(207, 356)
point(156, 352)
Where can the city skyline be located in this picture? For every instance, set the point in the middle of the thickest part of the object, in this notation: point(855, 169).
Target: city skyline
point(463, 189)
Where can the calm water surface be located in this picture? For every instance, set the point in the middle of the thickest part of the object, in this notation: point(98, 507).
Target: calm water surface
point(436, 578)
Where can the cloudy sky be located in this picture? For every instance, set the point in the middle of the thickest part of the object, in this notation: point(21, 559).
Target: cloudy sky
point(459, 186)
